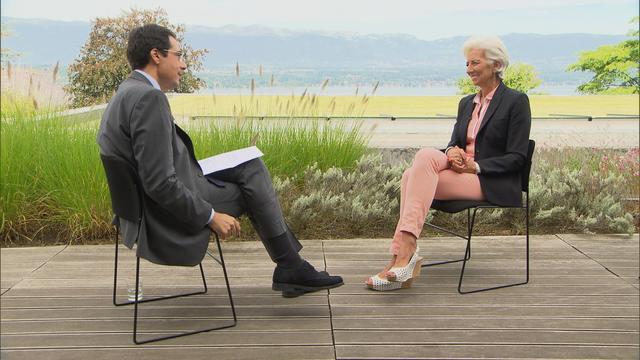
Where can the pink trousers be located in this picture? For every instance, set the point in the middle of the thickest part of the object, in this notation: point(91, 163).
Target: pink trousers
point(428, 178)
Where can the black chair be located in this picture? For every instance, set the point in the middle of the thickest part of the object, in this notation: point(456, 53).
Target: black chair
point(454, 206)
point(128, 202)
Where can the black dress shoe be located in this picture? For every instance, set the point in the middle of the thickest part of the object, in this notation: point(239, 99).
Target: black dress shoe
point(302, 279)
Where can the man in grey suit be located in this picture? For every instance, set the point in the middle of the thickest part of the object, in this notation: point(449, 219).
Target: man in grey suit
point(182, 205)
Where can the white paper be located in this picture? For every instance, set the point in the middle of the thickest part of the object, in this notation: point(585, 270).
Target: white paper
point(229, 159)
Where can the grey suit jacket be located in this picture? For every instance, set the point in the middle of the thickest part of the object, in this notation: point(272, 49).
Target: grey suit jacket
point(137, 126)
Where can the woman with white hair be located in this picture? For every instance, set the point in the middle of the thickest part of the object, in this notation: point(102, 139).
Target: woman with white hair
point(483, 160)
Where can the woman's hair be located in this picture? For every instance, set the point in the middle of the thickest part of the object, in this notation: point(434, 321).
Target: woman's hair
point(494, 50)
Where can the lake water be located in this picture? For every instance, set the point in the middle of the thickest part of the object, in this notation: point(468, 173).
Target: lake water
point(381, 91)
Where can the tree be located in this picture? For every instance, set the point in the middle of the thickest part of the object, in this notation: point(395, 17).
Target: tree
point(519, 76)
point(102, 64)
point(615, 67)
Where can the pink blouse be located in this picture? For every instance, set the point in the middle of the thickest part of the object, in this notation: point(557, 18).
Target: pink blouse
point(477, 115)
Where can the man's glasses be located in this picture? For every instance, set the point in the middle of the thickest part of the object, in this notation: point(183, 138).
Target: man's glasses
point(177, 52)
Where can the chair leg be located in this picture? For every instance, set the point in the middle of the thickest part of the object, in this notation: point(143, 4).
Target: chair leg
point(115, 271)
point(204, 281)
point(526, 216)
point(468, 252)
point(470, 223)
point(115, 284)
point(471, 220)
point(226, 280)
point(136, 302)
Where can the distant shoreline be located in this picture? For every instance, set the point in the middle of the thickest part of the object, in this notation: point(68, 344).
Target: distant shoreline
point(559, 90)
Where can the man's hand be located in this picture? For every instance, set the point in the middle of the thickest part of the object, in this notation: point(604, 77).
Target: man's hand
point(456, 157)
point(225, 225)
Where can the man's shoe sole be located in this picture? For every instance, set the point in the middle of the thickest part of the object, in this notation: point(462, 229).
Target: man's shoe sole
point(294, 290)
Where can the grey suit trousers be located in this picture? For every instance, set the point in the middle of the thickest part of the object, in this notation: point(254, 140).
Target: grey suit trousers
point(248, 190)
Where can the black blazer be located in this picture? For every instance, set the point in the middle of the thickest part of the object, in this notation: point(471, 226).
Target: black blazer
point(501, 143)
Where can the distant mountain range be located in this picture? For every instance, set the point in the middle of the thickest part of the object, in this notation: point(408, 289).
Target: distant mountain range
point(44, 42)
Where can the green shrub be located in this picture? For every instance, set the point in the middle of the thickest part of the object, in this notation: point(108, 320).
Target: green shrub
point(363, 202)
point(52, 180)
point(587, 196)
point(289, 146)
point(332, 203)
point(53, 188)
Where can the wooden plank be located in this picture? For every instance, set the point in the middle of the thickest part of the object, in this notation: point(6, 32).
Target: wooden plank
point(107, 283)
point(40, 252)
point(498, 254)
point(225, 337)
point(600, 237)
point(275, 299)
point(572, 308)
point(215, 289)
point(347, 289)
point(154, 352)
point(632, 280)
point(192, 277)
point(480, 263)
point(481, 351)
point(485, 310)
point(18, 263)
point(55, 271)
point(594, 276)
point(486, 298)
point(618, 254)
point(126, 325)
point(369, 268)
point(368, 298)
point(451, 322)
point(419, 287)
point(490, 337)
point(472, 279)
point(425, 283)
point(107, 258)
point(455, 322)
point(151, 311)
point(366, 269)
point(537, 240)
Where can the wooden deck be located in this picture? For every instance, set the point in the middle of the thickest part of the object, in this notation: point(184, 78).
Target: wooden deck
point(582, 302)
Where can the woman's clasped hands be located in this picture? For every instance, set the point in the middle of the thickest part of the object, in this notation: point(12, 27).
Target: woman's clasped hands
point(460, 162)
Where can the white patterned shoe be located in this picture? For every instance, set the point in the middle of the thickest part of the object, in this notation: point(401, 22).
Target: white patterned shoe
point(405, 273)
point(380, 284)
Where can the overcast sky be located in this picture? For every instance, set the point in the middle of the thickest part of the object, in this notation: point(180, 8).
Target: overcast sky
point(425, 19)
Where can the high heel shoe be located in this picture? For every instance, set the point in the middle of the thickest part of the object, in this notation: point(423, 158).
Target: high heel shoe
point(380, 284)
point(407, 272)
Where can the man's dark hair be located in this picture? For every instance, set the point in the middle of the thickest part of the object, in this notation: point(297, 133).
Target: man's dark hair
point(145, 38)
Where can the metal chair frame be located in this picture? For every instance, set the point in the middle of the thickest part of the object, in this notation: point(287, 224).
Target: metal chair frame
point(471, 221)
point(138, 206)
